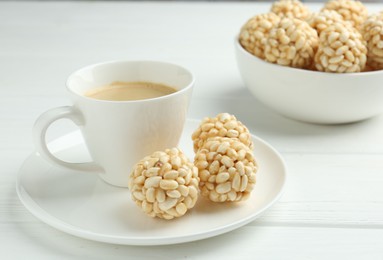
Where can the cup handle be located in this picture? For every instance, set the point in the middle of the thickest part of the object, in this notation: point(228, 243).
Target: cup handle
point(39, 132)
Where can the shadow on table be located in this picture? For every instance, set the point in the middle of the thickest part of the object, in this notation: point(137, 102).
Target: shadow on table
point(240, 102)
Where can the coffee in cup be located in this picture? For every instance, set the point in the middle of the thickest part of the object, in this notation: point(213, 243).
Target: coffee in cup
point(123, 91)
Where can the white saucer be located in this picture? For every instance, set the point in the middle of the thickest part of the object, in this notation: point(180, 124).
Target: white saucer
point(83, 205)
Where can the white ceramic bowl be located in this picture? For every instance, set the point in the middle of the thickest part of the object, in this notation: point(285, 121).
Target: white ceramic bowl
point(312, 96)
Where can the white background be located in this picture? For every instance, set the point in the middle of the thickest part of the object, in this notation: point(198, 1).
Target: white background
point(333, 204)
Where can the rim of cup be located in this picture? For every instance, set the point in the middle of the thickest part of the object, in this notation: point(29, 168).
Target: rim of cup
point(89, 67)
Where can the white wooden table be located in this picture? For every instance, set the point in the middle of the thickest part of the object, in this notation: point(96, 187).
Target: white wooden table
point(333, 204)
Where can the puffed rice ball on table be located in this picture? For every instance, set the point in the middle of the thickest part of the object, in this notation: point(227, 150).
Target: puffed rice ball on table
point(372, 31)
point(227, 169)
point(165, 184)
point(353, 11)
point(293, 43)
point(322, 20)
point(253, 34)
point(341, 50)
point(223, 125)
point(290, 9)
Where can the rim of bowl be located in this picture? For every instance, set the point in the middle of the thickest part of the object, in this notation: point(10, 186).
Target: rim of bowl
point(276, 66)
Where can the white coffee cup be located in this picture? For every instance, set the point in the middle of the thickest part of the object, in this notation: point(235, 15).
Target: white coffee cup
point(120, 133)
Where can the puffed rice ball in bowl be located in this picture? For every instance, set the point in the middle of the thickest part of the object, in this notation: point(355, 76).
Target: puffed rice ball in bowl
point(313, 96)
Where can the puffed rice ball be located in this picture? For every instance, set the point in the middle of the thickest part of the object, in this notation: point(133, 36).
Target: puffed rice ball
point(290, 9)
point(226, 168)
point(320, 21)
point(372, 31)
point(291, 43)
point(341, 50)
point(165, 184)
point(253, 34)
point(223, 125)
point(350, 10)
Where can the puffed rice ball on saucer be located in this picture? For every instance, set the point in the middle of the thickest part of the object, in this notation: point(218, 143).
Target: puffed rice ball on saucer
point(223, 125)
point(227, 169)
point(164, 184)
